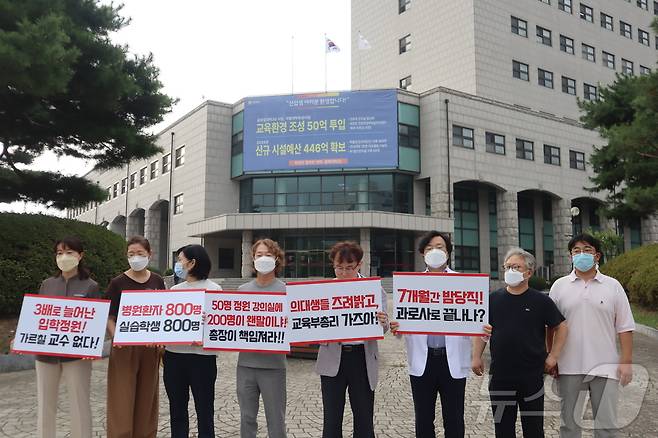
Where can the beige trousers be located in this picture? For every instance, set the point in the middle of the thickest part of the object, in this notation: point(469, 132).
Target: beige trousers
point(77, 375)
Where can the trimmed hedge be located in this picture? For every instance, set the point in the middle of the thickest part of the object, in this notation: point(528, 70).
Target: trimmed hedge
point(27, 256)
point(637, 271)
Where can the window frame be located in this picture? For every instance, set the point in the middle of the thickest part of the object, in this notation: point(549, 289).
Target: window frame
point(550, 156)
point(522, 153)
point(543, 80)
point(405, 83)
point(607, 22)
point(587, 88)
point(574, 161)
point(626, 30)
point(179, 158)
point(563, 6)
point(606, 57)
point(517, 73)
point(462, 138)
point(564, 47)
point(492, 146)
point(566, 85)
point(586, 13)
point(516, 28)
point(178, 206)
point(586, 55)
point(544, 36)
point(405, 43)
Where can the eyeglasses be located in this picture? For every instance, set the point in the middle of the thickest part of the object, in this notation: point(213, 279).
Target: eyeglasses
point(513, 268)
point(345, 268)
point(586, 250)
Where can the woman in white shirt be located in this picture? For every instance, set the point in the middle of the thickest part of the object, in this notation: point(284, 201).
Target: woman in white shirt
point(189, 366)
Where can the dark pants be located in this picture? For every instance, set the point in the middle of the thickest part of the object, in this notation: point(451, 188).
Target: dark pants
point(436, 380)
point(353, 377)
point(525, 394)
point(198, 372)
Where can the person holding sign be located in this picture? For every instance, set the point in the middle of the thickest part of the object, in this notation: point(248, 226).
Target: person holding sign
point(132, 375)
point(438, 364)
point(519, 316)
point(71, 280)
point(189, 366)
point(349, 366)
point(262, 373)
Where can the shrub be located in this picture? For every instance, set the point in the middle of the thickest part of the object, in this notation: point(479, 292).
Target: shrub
point(636, 271)
point(27, 257)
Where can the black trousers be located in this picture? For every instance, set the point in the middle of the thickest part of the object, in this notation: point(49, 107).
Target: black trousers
point(525, 394)
point(198, 372)
point(353, 377)
point(436, 380)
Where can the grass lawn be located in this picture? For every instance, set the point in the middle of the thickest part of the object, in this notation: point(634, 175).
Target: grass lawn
point(645, 316)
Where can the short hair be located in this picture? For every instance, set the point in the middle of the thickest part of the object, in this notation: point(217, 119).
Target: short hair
point(139, 240)
point(347, 251)
point(275, 249)
point(75, 244)
point(427, 238)
point(529, 259)
point(587, 238)
point(201, 259)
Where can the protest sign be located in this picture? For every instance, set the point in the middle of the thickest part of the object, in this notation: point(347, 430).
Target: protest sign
point(61, 326)
point(246, 321)
point(166, 317)
point(334, 310)
point(441, 303)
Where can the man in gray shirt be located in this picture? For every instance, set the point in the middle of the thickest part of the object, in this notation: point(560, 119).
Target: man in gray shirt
point(261, 373)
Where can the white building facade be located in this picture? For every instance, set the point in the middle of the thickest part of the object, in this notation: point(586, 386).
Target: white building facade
point(488, 150)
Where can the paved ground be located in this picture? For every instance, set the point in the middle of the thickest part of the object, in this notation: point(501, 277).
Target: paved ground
point(393, 410)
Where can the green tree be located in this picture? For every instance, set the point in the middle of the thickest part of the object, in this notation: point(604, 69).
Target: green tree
point(66, 88)
point(627, 167)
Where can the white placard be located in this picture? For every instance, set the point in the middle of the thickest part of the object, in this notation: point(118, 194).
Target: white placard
point(334, 310)
point(167, 317)
point(246, 321)
point(441, 303)
point(61, 326)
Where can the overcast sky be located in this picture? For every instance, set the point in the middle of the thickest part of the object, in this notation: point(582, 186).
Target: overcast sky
point(225, 50)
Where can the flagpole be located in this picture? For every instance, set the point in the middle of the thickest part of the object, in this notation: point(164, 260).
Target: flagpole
point(292, 64)
point(358, 41)
point(325, 62)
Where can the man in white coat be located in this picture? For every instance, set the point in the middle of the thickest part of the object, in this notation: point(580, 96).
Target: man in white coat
point(438, 365)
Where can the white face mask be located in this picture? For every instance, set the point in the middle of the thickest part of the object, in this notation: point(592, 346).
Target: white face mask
point(67, 262)
point(435, 258)
point(513, 278)
point(265, 264)
point(138, 263)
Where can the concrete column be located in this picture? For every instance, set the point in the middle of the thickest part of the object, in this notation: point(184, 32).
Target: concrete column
point(508, 223)
point(152, 233)
point(538, 215)
point(419, 197)
point(247, 241)
point(562, 233)
point(364, 241)
point(627, 237)
point(483, 229)
point(136, 225)
point(439, 199)
point(419, 261)
point(650, 230)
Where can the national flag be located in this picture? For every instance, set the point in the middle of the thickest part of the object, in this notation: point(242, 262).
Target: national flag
point(363, 43)
point(331, 46)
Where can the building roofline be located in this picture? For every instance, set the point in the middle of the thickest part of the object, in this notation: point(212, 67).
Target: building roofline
point(509, 106)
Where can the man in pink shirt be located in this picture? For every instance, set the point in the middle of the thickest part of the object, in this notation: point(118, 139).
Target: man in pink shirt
point(597, 311)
